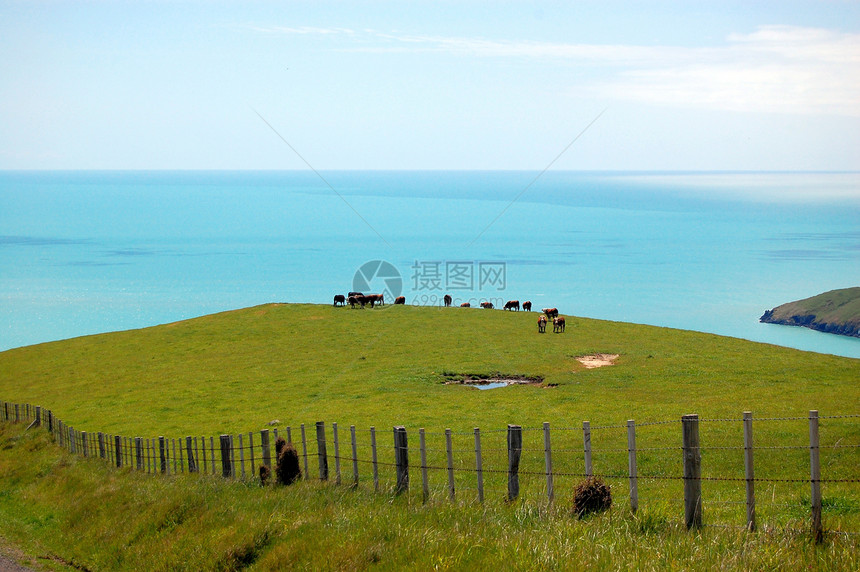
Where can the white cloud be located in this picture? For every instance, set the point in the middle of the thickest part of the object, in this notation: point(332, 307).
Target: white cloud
point(775, 69)
point(786, 69)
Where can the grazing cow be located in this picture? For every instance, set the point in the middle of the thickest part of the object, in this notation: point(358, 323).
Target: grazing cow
point(550, 312)
point(465, 305)
point(527, 306)
point(400, 300)
point(377, 298)
point(339, 299)
point(353, 300)
point(558, 325)
point(542, 324)
point(447, 299)
point(487, 305)
point(510, 304)
point(356, 294)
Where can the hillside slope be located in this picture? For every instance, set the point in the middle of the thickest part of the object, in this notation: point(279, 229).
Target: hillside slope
point(834, 312)
point(301, 363)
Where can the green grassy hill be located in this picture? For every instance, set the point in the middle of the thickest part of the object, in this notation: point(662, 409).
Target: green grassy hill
point(236, 371)
point(836, 312)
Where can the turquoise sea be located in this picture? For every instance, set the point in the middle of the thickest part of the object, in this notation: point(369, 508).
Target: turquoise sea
point(89, 252)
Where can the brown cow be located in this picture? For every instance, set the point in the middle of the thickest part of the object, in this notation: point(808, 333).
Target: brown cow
point(527, 306)
point(400, 300)
point(558, 325)
point(512, 304)
point(487, 305)
point(465, 305)
point(550, 312)
point(447, 299)
point(542, 324)
point(339, 299)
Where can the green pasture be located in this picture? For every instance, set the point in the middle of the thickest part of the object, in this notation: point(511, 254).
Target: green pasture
point(236, 372)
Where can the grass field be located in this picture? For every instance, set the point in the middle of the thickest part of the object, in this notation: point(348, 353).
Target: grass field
point(236, 371)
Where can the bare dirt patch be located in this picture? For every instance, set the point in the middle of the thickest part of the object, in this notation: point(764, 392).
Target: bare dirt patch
point(597, 360)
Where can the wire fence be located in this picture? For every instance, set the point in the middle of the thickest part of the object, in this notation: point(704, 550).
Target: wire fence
point(713, 468)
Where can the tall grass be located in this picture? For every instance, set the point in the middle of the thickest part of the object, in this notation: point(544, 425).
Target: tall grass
point(87, 515)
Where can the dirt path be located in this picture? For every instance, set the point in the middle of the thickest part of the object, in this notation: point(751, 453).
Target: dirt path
point(10, 556)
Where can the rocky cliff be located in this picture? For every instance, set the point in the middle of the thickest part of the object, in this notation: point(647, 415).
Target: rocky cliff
point(834, 312)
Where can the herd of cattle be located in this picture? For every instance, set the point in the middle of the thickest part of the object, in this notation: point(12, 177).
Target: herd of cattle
point(358, 299)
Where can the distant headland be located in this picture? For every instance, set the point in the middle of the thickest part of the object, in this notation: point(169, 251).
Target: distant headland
point(834, 312)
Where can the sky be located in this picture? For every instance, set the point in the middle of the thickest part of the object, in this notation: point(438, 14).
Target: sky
point(604, 85)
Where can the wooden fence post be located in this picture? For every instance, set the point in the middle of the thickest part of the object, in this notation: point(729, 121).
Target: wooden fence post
point(226, 469)
point(190, 456)
point(117, 446)
point(547, 451)
point(17, 413)
point(84, 448)
point(162, 455)
point(73, 440)
point(373, 459)
point(692, 472)
point(289, 434)
point(138, 451)
point(267, 451)
point(321, 451)
point(749, 471)
point(815, 476)
point(38, 421)
point(203, 445)
point(449, 449)
point(401, 459)
point(212, 453)
point(251, 448)
point(479, 469)
point(425, 482)
point(305, 452)
point(515, 448)
point(354, 456)
point(631, 465)
point(586, 438)
point(336, 454)
point(102, 449)
point(242, 456)
point(232, 457)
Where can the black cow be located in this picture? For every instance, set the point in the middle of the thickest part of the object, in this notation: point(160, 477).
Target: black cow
point(527, 306)
point(339, 299)
point(447, 299)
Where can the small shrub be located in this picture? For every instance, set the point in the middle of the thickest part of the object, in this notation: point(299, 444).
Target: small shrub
point(287, 469)
point(591, 496)
point(279, 446)
point(265, 475)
